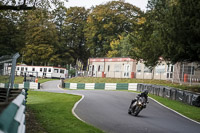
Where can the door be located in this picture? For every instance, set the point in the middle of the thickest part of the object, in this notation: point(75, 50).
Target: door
point(126, 70)
point(94, 72)
point(170, 70)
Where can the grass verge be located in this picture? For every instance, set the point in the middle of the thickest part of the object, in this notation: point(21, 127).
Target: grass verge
point(53, 111)
point(184, 109)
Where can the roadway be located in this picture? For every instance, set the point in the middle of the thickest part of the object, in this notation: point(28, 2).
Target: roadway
point(108, 111)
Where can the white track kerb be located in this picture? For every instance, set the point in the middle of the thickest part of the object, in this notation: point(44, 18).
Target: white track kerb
point(132, 92)
point(75, 105)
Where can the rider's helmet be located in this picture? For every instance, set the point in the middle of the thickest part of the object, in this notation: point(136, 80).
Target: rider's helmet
point(146, 92)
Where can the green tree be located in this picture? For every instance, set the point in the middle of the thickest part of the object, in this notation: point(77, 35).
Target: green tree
point(183, 23)
point(59, 15)
point(147, 42)
point(106, 22)
point(121, 47)
point(115, 48)
point(40, 32)
point(171, 31)
point(74, 33)
point(38, 54)
point(11, 37)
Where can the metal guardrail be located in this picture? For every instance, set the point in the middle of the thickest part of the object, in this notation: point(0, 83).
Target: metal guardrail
point(7, 71)
point(12, 119)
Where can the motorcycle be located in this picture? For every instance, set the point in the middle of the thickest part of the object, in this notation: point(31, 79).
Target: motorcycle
point(137, 106)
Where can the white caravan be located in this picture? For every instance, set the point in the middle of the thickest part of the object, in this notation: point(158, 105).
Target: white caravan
point(42, 71)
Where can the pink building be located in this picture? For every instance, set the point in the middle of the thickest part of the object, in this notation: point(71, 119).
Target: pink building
point(112, 67)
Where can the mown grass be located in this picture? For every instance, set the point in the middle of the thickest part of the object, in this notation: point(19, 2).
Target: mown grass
point(20, 79)
point(185, 109)
point(53, 111)
point(4, 78)
point(120, 80)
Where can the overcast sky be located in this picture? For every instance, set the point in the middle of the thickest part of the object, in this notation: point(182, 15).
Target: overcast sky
point(88, 3)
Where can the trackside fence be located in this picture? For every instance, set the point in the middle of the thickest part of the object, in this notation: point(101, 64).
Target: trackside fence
point(187, 97)
point(12, 119)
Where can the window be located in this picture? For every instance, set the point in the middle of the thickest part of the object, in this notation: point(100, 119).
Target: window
point(160, 69)
point(147, 70)
point(139, 68)
point(17, 68)
point(26, 68)
point(117, 68)
point(49, 70)
point(169, 75)
point(55, 70)
point(22, 68)
point(62, 71)
point(33, 69)
point(40, 69)
point(100, 68)
point(170, 68)
point(189, 70)
point(108, 68)
point(45, 69)
point(90, 67)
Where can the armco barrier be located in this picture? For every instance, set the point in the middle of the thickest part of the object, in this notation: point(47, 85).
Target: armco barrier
point(12, 119)
point(172, 93)
point(103, 86)
point(28, 85)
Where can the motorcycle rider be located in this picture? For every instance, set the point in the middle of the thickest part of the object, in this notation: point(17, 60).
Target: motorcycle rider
point(143, 94)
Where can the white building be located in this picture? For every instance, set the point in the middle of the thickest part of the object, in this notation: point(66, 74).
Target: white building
point(130, 68)
point(42, 71)
point(112, 67)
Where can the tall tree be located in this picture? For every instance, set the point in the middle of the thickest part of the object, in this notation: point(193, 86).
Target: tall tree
point(171, 31)
point(74, 32)
point(107, 22)
point(11, 37)
point(183, 23)
point(40, 31)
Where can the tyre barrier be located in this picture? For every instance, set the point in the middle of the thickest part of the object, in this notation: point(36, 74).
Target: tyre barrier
point(28, 85)
point(12, 119)
point(188, 97)
point(103, 86)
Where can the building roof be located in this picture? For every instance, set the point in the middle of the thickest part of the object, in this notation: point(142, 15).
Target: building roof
point(23, 65)
point(116, 59)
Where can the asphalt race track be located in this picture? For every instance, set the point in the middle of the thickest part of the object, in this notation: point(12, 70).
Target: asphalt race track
point(108, 110)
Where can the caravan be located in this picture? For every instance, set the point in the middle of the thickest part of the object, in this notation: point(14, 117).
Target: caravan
point(42, 71)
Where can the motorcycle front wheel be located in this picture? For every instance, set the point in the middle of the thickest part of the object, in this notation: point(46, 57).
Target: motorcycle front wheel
point(136, 111)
